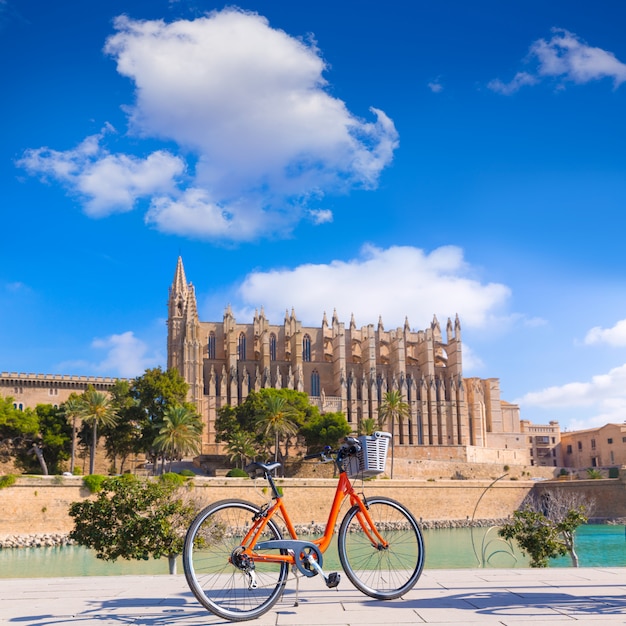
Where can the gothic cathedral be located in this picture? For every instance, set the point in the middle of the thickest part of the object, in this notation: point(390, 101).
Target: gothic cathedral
point(346, 369)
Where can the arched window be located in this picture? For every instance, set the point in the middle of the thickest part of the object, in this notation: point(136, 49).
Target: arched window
point(306, 348)
point(272, 347)
point(242, 347)
point(211, 345)
point(315, 383)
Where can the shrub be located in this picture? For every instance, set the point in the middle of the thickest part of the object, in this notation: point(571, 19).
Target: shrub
point(7, 480)
point(93, 482)
point(173, 479)
point(237, 473)
point(187, 472)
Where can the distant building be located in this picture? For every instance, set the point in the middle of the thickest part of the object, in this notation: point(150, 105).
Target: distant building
point(348, 369)
point(29, 390)
point(595, 447)
point(544, 443)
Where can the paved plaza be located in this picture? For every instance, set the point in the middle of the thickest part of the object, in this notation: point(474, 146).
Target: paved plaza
point(462, 596)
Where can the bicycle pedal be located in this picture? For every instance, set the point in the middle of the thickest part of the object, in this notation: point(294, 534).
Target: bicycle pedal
point(333, 580)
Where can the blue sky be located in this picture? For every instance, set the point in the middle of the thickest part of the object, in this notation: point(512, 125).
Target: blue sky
point(394, 159)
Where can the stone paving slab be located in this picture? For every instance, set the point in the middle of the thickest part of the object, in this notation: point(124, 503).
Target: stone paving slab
point(515, 597)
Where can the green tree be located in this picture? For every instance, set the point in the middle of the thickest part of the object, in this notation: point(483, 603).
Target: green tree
point(367, 426)
point(125, 437)
point(18, 429)
point(241, 447)
point(245, 417)
point(180, 433)
point(72, 409)
point(277, 418)
point(96, 411)
point(54, 439)
point(393, 409)
point(325, 429)
point(545, 528)
point(34, 439)
point(154, 391)
point(135, 519)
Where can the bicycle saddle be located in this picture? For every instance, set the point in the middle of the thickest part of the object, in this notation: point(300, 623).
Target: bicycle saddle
point(263, 467)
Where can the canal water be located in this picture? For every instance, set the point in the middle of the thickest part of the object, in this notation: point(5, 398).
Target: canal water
point(456, 548)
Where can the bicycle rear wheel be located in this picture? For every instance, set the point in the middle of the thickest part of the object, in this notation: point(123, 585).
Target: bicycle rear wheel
point(382, 573)
point(218, 583)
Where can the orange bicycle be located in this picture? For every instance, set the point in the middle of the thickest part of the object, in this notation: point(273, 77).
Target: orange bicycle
point(236, 559)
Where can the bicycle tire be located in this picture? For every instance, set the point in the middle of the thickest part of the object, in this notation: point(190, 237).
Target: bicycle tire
point(380, 573)
point(220, 586)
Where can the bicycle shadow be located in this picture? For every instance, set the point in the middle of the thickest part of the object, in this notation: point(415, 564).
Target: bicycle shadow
point(180, 610)
point(521, 603)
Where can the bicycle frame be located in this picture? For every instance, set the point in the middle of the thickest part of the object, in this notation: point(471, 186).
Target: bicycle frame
point(344, 490)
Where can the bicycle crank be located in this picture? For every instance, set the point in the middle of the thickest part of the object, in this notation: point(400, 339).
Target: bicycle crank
point(307, 555)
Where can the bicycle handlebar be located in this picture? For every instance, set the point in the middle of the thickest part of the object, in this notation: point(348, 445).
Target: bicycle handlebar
point(350, 447)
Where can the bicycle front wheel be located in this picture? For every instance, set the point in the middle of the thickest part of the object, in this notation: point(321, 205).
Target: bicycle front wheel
point(381, 572)
point(227, 585)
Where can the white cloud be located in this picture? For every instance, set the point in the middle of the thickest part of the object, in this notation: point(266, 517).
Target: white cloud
point(250, 107)
point(472, 363)
point(321, 216)
point(519, 80)
point(568, 58)
point(615, 336)
point(105, 182)
point(392, 283)
point(604, 395)
point(435, 86)
point(126, 355)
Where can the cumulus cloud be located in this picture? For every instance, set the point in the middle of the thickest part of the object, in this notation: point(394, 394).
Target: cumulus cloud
point(106, 183)
point(567, 58)
point(250, 108)
point(472, 363)
point(603, 394)
point(615, 336)
point(126, 355)
point(393, 283)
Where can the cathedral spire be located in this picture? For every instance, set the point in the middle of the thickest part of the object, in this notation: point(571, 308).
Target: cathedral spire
point(180, 280)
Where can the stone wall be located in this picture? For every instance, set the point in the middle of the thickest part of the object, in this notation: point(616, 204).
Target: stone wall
point(40, 505)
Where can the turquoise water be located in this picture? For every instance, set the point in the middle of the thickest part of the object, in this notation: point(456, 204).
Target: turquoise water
point(597, 546)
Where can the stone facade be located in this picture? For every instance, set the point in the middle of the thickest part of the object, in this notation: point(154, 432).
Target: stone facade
point(544, 443)
point(29, 390)
point(345, 368)
point(597, 447)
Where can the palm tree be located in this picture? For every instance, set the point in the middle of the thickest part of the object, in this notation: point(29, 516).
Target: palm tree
point(96, 410)
point(276, 419)
point(180, 433)
point(72, 408)
point(240, 447)
point(393, 408)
